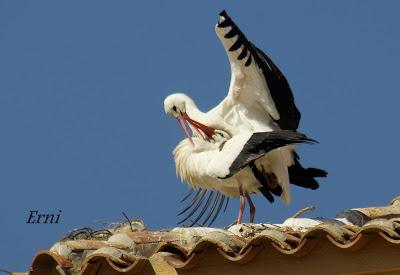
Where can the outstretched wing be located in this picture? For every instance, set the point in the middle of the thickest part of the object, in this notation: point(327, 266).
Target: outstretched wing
point(259, 95)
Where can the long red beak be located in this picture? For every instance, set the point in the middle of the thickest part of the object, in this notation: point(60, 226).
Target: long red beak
point(208, 131)
point(197, 125)
point(181, 121)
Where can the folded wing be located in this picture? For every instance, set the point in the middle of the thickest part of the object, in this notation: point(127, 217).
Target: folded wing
point(244, 149)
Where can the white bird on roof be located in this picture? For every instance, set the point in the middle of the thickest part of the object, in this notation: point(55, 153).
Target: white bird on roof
point(259, 100)
point(229, 166)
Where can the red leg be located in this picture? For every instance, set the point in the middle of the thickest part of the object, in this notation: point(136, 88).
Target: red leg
point(241, 206)
point(252, 207)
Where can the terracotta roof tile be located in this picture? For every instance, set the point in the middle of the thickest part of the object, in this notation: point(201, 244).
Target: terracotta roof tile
point(124, 251)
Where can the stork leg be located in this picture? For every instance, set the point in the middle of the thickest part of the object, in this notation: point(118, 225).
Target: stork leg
point(252, 207)
point(241, 206)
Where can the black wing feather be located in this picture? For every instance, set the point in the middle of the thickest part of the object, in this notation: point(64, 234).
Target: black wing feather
point(289, 115)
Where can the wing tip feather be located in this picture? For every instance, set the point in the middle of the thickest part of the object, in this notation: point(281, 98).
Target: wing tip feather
point(223, 13)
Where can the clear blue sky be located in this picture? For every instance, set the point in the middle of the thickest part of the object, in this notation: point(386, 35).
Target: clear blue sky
point(83, 128)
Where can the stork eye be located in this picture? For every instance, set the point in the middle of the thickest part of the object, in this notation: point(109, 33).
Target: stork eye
point(174, 109)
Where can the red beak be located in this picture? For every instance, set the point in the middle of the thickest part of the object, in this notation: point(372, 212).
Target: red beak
point(197, 125)
point(181, 121)
point(208, 131)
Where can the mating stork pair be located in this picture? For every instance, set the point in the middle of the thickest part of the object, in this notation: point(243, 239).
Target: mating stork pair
point(245, 144)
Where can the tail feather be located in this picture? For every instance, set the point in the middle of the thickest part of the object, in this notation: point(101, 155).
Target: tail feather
point(267, 194)
point(305, 177)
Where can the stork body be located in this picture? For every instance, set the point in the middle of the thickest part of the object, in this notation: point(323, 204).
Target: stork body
point(259, 100)
point(206, 165)
point(232, 123)
point(230, 166)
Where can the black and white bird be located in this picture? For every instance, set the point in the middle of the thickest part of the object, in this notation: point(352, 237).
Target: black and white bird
point(226, 151)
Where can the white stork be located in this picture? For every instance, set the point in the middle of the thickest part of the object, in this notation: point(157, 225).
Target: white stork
point(259, 100)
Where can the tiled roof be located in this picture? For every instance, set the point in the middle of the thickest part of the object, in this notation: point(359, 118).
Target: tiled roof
point(132, 249)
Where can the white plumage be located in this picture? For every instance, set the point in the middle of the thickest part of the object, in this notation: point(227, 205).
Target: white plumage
point(205, 165)
point(259, 100)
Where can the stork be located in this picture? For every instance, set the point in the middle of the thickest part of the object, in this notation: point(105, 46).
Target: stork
point(259, 100)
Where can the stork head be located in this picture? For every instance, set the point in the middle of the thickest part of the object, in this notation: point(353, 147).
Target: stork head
point(177, 105)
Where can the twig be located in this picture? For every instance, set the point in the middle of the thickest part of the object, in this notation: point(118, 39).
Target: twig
point(302, 211)
point(129, 221)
